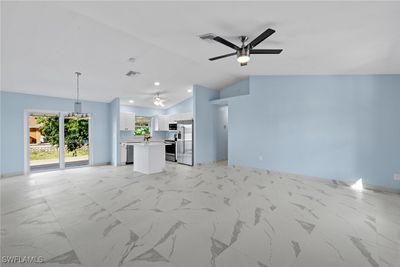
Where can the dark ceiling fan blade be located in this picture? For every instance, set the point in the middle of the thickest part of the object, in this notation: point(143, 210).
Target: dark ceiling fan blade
point(261, 37)
point(219, 57)
point(265, 51)
point(225, 42)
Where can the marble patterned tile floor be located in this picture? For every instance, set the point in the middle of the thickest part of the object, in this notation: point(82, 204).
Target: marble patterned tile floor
point(210, 215)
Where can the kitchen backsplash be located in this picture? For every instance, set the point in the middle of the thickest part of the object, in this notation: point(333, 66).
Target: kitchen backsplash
point(170, 135)
point(129, 136)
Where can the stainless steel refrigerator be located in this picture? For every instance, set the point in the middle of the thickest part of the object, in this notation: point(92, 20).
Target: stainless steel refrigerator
point(184, 143)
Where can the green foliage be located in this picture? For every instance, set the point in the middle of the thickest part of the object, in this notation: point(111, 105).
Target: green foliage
point(142, 130)
point(40, 155)
point(142, 125)
point(49, 128)
point(76, 132)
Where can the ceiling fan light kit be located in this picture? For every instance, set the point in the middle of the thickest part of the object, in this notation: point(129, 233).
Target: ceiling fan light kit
point(243, 53)
point(158, 101)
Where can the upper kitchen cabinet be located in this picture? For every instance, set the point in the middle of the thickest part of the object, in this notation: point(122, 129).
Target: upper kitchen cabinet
point(182, 116)
point(127, 121)
point(161, 123)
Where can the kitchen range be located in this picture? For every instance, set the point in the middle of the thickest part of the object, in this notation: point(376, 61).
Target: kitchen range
point(170, 150)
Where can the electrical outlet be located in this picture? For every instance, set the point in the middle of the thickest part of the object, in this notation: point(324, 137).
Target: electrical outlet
point(260, 157)
point(396, 176)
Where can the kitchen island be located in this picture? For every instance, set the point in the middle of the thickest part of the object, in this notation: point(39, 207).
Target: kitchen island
point(149, 157)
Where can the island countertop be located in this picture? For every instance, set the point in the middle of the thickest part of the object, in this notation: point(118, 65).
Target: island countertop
point(149, 144)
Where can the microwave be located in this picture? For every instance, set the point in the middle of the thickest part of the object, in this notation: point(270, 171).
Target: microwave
point(172, 126)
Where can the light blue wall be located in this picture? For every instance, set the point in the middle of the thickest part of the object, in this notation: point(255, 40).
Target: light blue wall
point(12, 126)
point(115, 134)
point(221, 131)
point(186, 106)
point(342, 127)
point(236, 89)
point(204, 114)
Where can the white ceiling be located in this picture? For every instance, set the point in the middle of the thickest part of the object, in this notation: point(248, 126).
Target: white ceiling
point(44, 43)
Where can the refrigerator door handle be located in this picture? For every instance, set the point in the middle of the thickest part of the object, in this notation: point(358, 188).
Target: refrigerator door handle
point(184, 140)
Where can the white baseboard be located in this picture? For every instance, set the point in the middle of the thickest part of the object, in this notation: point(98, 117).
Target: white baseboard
point(377, 188)
point(211, 162)
point(101, 164)
point(11, 174)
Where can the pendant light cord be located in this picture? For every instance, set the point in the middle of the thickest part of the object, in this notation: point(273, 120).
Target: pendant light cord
point(77, 85)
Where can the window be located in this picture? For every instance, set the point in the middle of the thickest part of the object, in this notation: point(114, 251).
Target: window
point(142, 125)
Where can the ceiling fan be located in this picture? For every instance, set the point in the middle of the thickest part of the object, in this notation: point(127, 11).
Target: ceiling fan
point(243, 53)
point(158, 101)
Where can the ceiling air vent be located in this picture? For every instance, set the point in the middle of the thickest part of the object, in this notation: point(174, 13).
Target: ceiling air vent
point(132, 73)
point(207, 36)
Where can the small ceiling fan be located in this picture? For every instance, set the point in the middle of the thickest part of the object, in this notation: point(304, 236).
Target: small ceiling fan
point(158, 101)
point(243, 53)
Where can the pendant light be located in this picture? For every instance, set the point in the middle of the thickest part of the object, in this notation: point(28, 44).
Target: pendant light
point(77, 105)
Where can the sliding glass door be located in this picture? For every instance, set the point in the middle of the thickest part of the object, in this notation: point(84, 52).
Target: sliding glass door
point(76, 140)
point(44, 152)
point(57, 141)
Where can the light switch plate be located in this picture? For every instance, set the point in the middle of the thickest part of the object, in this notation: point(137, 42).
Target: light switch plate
point(396, 176)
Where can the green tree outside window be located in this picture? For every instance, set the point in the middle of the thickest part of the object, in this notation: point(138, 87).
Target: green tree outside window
point(76, 132)
point(142, 125)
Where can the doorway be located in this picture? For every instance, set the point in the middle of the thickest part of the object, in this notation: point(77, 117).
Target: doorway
point(44, 152)
point(76, 141)
point(56, 141)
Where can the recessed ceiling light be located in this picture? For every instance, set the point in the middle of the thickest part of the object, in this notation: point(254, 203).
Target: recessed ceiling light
point(131, 101)
point(156, 83)
point(189, 90)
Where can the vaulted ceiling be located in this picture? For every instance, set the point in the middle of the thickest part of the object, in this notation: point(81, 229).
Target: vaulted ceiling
point(44, 43)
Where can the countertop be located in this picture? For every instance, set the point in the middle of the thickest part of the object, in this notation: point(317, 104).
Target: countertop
point(150, 144)
point(166, 142)
point(138, 142)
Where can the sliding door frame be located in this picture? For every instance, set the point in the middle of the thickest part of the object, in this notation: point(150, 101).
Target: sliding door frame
point(61, 117)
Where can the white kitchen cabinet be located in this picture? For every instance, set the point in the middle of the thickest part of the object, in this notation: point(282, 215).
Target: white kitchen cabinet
point(183, 116)
point(186, 116)
point(171, 118)
point(149, 158)
point(174, 117)
point(161, 123)
point(127, 121)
